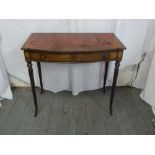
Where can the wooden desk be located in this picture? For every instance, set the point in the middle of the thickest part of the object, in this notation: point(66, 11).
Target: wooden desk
point(73, 47)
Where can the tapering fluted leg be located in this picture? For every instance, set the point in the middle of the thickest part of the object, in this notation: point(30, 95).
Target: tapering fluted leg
point(105, 75)
point(117, 64)
point(30, 70)
point(40, 77)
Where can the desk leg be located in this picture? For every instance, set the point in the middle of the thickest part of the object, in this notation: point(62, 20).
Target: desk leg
point(30, 70)
point(117, 64)
point(40, 77)
point(105, 75)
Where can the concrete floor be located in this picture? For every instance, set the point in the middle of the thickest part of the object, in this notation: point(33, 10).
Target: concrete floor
point(88, 113)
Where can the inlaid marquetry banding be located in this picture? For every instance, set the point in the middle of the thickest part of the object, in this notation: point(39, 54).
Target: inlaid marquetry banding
point(119, 55)
point(87, 57)
point(27, 56)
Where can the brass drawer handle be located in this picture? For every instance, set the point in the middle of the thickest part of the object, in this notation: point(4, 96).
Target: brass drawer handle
point(42, 56)
point(104, 56)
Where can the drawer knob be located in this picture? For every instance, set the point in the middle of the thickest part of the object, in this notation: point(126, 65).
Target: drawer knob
point(105, 56)
point(42, 56)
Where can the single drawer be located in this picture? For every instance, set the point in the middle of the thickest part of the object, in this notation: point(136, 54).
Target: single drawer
point(72, 57)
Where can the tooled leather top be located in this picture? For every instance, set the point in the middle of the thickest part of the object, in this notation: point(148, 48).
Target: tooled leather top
point(73, 42)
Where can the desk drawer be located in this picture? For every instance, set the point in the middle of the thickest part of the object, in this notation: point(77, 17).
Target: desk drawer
point(86, 57)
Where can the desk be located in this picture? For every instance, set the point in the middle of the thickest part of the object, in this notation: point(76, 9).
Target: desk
point(73, 47)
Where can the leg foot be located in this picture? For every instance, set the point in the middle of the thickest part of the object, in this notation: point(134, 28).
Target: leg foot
point(42, 91)
point(36, 112)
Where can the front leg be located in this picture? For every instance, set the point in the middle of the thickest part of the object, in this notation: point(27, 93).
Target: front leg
point(105, 75)
point(30, 70)
point(40, 77)
point(117, 64)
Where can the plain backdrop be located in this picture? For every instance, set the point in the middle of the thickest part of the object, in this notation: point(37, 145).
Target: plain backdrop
point(74, 77)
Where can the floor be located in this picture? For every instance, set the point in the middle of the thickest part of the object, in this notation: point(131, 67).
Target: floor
point(87, 113)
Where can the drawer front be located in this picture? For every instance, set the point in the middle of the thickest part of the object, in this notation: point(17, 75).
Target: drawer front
point(86, 57)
